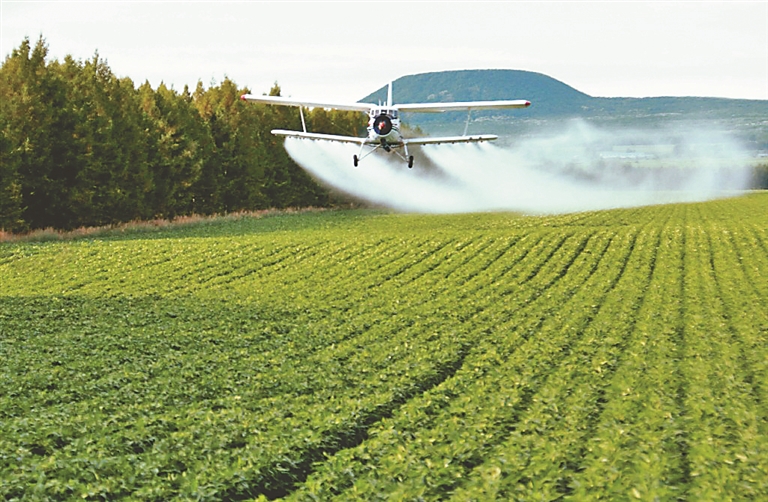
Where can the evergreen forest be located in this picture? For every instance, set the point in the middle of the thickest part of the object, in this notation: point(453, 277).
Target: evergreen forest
point(82, 147)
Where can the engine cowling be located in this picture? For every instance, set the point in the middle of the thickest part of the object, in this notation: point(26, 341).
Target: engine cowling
point(382, 125)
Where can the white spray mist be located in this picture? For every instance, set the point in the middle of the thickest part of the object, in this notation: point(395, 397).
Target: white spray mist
point(580, 168)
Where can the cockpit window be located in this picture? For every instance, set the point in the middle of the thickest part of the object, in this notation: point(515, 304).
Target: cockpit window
point(390, 113)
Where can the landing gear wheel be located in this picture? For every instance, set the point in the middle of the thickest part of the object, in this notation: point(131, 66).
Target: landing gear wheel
point(410, 161)
point(355, 160)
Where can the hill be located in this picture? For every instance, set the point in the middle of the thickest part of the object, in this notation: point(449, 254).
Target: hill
point(551, 97)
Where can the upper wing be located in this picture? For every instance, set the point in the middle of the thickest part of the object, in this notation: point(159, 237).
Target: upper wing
point(451, 139)
point(278, 100)
point(462, 105)
point(326, 137)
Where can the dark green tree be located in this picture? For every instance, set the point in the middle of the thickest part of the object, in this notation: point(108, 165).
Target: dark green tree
point(37, 130)
point(181, 145)
point(11, 208)
point(238, 153)
point(113, 177)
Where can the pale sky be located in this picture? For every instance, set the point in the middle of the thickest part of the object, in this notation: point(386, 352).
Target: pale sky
point(342, 51)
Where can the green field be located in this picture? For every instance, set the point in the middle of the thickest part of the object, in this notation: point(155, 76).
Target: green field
point(361, 355)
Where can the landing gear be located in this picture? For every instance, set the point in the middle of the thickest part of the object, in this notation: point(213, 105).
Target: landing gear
point(387, 147)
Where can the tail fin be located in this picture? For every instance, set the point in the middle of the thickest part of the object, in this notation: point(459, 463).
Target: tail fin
point(389, 95)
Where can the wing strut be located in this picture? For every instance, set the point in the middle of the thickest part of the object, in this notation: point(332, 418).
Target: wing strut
point(466, 126)
point(304, 124)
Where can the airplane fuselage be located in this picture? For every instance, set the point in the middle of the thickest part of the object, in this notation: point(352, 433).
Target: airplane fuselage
point(384, 127)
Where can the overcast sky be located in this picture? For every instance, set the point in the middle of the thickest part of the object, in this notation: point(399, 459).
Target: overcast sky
point(345, 50)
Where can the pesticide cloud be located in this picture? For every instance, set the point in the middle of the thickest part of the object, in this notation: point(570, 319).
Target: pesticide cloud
point(578, 168)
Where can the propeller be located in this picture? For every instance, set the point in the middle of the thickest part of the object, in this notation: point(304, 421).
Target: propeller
point(382, 125)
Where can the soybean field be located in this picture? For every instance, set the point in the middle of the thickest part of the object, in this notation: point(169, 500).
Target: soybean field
point(362, 355)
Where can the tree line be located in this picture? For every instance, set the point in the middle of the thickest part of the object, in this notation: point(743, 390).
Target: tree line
point(81, 147)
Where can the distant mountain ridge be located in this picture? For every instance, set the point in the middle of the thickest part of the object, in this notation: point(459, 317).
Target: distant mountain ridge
point(550, 97)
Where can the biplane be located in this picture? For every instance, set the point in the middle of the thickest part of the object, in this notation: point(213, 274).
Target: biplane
point(384, 122)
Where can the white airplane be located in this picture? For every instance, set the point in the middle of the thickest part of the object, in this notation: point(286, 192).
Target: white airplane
point(384, 122)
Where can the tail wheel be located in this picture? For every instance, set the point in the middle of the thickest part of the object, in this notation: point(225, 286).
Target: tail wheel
point(355, 160)
point(410, 161)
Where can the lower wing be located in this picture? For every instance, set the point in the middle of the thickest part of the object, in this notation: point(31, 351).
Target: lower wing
point(451, 139)
point(324, 137)
point(359, 141)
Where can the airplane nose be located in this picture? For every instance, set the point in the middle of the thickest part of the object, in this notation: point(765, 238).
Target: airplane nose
point(382, 125)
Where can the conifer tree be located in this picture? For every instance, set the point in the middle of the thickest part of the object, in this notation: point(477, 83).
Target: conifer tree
point(37, 128)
